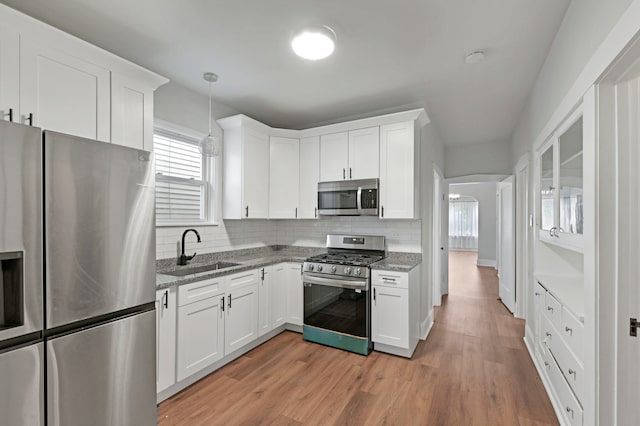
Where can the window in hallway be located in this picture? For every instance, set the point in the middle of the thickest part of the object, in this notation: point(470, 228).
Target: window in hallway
point(463, 223)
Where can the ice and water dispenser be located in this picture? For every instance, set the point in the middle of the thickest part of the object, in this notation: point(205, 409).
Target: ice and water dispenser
point(11, 290)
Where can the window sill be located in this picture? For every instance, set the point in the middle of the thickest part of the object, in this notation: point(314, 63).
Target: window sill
point(182, 224)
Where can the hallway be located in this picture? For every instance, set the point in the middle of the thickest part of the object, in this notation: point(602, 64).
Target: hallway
point(472, 370)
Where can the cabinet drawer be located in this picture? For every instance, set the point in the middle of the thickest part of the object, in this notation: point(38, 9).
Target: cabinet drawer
point(573, 332)
point(539, 293)
point(199, 290)
point(390, 279)
point(569, 365)
point(549, 333)
point(553, 310)
point(242, 279)
point(571, 409)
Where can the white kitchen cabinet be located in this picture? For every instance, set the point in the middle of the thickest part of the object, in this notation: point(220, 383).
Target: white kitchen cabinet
point(350, 155)
point(334, 156)
point(57, 82)
point(295, 294)
point(398, 171)
point(560, 185)
point(264, 296)
point(242, 310)
point(309, 177)
point(364, 153)
point(278, 287)
point(284, 179)
point(201, 331)
point(395, 322)
point(9, 74)
point(63, 93)
point(166, 313)
point(131, 113)
point(245, 192)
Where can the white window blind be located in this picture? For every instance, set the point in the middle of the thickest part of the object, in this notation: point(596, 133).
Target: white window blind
point(181, 186)
point(463, 225)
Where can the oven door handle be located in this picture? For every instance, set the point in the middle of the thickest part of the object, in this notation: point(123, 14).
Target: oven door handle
point(336, 282)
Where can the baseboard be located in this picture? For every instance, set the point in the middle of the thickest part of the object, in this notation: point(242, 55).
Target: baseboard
point(426, 326)
point(394, 350)
point(545, 382)
point(487, 262)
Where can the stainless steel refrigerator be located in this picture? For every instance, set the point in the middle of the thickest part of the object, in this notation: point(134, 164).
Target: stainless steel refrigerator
point(96, 352)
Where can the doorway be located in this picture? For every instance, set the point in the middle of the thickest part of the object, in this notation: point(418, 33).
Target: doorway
point(506, 244)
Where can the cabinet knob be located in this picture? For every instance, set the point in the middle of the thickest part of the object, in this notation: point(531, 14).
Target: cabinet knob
point(549, 308)
point(572, 371)
point(569, 330)
point(570, 410)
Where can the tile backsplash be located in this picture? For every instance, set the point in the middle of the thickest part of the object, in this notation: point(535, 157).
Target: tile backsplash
point(401, 235)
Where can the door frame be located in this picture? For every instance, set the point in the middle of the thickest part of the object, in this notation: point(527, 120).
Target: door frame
point(523, 226)
point(437, 250)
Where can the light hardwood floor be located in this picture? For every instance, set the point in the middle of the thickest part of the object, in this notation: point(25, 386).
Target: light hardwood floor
point(472, 370)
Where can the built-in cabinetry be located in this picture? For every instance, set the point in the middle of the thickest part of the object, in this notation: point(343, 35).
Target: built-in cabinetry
point(274, 173)
point(350, 155)
point(309, 177)
point(399, 171)
point(561, 185)
point(166, 311)
point(204, 324)
point(246, 153)
point(395, 319)
point(54, 81)
point(561, 349)
point(284, 179)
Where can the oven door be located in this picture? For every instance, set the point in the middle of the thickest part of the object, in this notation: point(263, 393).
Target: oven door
point(337, 305)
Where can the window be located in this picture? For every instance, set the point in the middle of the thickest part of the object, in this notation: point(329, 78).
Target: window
point(184, 189)
point(463, 224)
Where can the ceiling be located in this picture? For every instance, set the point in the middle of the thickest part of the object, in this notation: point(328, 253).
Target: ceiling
point(390, 55)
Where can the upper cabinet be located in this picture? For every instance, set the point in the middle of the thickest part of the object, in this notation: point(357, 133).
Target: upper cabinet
point(284, 178)
point(350, 155)
point(52, 80)
point(309, 177)
point(246, 153)
point(398, 171)
point(560, 170)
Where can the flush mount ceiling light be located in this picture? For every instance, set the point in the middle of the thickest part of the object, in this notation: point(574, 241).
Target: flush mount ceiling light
point(314, 43)
point(474, 57)
point(210, 145)
point(454, 196)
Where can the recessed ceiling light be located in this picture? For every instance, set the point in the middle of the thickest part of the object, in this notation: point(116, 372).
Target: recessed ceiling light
point(314, 43)
point(474, 57)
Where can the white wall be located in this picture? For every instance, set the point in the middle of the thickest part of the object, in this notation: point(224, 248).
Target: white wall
point(485, 193)
point(491, 158)
point(401, 235)
point(585, 26)
point(431, 154)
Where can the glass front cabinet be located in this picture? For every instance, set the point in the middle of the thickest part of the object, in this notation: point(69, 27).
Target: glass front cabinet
point(560, 171)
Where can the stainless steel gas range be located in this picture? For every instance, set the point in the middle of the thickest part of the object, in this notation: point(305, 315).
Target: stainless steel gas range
point(337, 302)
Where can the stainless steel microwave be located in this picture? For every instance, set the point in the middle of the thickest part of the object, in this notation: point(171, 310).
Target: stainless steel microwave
point(348, 198)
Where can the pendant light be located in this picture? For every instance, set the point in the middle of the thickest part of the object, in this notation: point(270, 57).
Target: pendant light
point(210, 145)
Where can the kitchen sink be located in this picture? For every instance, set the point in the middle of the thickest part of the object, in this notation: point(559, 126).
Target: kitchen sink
point(197, 269)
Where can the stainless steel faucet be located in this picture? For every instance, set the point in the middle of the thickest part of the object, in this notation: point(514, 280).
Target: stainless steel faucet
point(184, 259)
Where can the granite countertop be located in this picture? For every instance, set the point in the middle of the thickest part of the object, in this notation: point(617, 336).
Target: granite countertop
point(247, 259)
point(399, 262)
point(255, 258)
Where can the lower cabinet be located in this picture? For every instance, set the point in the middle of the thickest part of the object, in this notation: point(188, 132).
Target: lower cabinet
point(295, 294)
point(241, 312)
point(200, 323)
point(201, 331)
point(166, 308)
point(395, 323)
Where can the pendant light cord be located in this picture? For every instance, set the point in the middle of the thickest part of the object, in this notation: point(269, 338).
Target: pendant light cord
point(209, 108)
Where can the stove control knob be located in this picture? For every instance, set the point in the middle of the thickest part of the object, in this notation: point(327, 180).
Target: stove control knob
point(310, 267)
point(347, 270)
point(358, 271)
point(319, 268)
point(334, 269)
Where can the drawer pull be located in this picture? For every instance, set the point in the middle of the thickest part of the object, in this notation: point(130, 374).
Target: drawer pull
point(549, 308)
point(536, 293)
point(548, 334)
point(570, 410)
point(546, 364)
point(572, 371)
point(569, 330)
